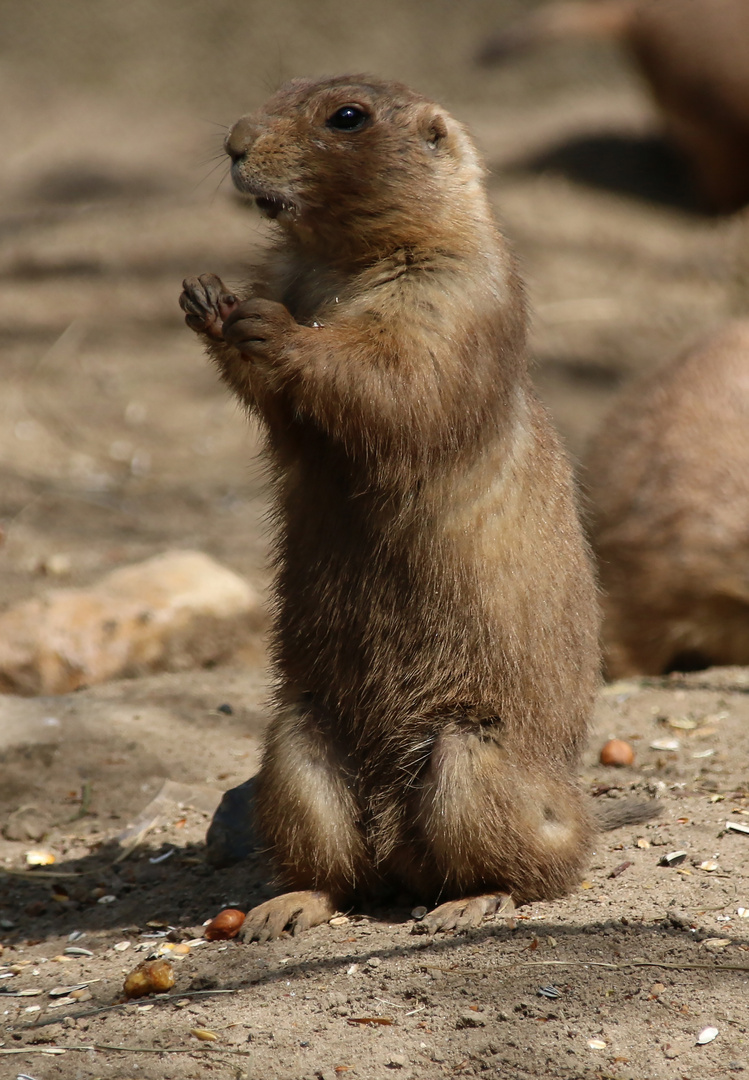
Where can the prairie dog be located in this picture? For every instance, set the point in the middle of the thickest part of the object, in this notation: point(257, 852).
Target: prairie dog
point(435, 632)
point(694, 54)
point(668, 479)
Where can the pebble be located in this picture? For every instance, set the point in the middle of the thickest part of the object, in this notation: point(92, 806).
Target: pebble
point(374, 962)
point(470, 1020)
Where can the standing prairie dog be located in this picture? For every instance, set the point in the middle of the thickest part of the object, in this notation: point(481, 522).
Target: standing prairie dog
point(695, 56)
point(435, 634)
point(668, 479)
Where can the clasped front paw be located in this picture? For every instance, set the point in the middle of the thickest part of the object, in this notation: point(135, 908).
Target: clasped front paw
point(257, 327)
point(207, 304)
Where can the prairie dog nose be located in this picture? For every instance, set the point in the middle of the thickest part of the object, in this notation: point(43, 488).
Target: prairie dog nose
point(239, 139)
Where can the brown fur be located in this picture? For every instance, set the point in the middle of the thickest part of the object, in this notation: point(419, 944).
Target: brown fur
point(695, 56)
point(435, 616)
point(668, 477)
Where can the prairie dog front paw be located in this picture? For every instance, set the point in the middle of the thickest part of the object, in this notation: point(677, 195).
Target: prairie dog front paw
point(207, 304)
point(257, 327)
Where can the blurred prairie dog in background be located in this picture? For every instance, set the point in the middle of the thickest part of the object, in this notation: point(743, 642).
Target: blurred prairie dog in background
point(695, 56)
point(668, 480)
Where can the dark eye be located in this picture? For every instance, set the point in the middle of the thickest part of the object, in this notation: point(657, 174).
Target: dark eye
point(348, 118)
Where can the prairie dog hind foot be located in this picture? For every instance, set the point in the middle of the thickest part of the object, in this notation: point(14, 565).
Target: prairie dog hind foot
point(467, 913)
point(294, 911)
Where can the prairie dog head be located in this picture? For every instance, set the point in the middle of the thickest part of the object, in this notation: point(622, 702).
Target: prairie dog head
point(354, 165)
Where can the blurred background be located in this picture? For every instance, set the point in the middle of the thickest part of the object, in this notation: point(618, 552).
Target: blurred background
point(116, 439)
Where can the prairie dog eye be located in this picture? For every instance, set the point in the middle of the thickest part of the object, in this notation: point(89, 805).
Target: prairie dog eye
point(348, 118)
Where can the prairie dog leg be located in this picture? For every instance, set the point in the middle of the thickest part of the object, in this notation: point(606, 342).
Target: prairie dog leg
point(466, 913)
point(296, 911)
point(306, 810)
point(493, 825)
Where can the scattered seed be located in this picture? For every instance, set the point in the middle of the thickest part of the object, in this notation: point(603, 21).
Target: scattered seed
point(163, 857)
point(666, 744)
point(707, 1035)
point(702, 754)
point(736, 826)
point(60, 1002)
point(33, 1008)
point(419, 913)
point(549, 992)
point(76, 935)
point(108, 899)
point(674, 858)
point(39, 858)
point(616, 752)
point(716, 942)
point(708, 866)
point(226, 925)
point(149, 978)
point(596, 1044)
point(352, 970)
point(339, 920)
point(121, 946)
point(642, 843)
point(204, 1034)
point(63, 991)
point(681, 723)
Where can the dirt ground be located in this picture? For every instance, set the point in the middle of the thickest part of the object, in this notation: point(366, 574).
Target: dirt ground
point(117, 442)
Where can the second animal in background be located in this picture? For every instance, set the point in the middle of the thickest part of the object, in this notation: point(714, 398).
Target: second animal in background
point(668, 480)
point(694, 54)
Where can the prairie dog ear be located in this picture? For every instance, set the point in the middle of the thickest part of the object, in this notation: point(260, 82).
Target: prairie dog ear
point(434, 129)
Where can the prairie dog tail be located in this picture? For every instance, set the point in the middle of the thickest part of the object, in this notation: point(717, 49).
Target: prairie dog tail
point(605, 19)
point(613, 815)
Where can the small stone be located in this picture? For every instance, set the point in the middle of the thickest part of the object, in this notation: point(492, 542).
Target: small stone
point(374, 962)
point(27, 823)
point(397, 1061)
point(470, 1020)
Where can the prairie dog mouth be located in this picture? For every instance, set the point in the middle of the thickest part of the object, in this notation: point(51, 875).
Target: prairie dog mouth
point(272, 205)
point(269, 203)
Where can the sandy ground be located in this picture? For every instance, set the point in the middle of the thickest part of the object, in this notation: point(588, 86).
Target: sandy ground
point(117, 442)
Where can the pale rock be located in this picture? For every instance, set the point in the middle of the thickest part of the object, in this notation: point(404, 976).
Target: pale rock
point(176, 611)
